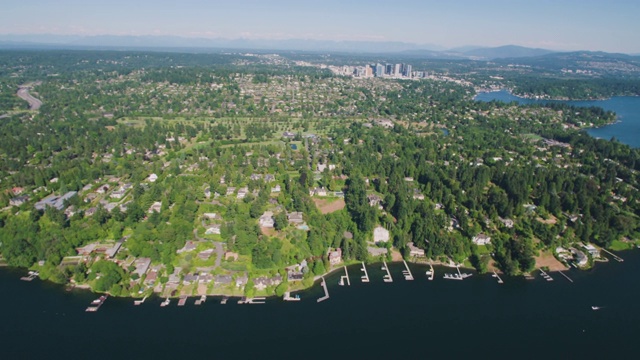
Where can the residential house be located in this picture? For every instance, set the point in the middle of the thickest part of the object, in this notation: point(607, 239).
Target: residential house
point(374, 200)
point(242, 280)
point(214, 229)
point(19, 200)
point(231, 255)
point(206, 254)
point(506, 222)
point(269, 178)
point(276, 189)
point(142, 265)
point(153, 178)
point(54, 201)
point(376, 251)
point(211, 216)
point(242, 193)
point(222, 280)
point(592, 250)
point(189, 246)
point(266, 220)
point(335, 256)
point(481, 239)
point(295, 218)
point(157, 206)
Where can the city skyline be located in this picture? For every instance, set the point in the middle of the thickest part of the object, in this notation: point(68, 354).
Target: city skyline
point(563, 26)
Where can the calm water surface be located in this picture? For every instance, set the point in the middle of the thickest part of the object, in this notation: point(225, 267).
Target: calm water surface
point(476, 317)
point(626, 130)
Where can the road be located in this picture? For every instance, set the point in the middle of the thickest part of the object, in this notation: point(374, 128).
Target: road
point(34, 103)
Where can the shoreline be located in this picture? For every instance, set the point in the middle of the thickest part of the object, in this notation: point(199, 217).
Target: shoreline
point(87, 288)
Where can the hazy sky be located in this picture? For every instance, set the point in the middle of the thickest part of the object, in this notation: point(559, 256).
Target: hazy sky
point(611, 25)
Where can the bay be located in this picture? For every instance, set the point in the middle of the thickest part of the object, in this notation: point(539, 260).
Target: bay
point(627, 108)
point(476, 317)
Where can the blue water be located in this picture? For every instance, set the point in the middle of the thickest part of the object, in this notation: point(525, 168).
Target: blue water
point(294, 147)
point(626, 130)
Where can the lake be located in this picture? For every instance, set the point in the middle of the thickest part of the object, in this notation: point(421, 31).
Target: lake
point(476, 317)
point(627, 108)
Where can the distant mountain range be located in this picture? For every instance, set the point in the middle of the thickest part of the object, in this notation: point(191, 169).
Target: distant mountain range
point(173, 43)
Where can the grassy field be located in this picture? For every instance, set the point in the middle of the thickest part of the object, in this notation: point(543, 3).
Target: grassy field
point(618, 245)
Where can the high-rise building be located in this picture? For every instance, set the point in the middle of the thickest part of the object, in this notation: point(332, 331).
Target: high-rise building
point(397, 70)
point(389, 69)
point(379, 70)
point(407, 70)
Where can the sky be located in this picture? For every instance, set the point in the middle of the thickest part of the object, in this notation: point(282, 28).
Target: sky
point(569, 25)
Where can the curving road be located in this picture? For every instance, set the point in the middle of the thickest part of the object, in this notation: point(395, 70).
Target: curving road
point(34, 103)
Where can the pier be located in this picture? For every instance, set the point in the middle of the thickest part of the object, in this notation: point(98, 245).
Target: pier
point(545, 275)
point(326, 291)
point(202, 299)
point(224, 300)
point(182, 300)
point(407, 273)
point(431, 273)
point(166, 302)
point(387, 278)
point(138, 302)
point(495, 275)
point(97, 303)
point(345, 277)
point(365, 277)
point(255, 300)
point(615, 257)
point(566, 277)
point(288, 297)
point(31, 275)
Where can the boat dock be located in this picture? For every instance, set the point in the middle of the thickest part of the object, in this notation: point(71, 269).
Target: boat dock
point(31, 275)
point(97, 303)
point(457, 276)
point(166, 302)
point(288, 297)
point(345, 277)
point(326, 291)
point(224, 300)
point(255, 300)
point(182, 300)
point(202, 299)
point(495, 275)
point(566, 277)
point(387, 278)
point(615, 257)
point(431, 273)
point(138, 302)
point(365, 277)
point(545, 275)
point(407, 273)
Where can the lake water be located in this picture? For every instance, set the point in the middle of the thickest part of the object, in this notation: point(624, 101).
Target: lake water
point(418, 319)
point(626, 130)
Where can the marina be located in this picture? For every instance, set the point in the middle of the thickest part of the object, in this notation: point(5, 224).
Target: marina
point(365, 277)
point(407, 273)
point(326, 291)
point(387, 278)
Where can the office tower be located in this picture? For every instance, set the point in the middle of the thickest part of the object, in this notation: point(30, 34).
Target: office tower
point(407, 70)
point(379, 70)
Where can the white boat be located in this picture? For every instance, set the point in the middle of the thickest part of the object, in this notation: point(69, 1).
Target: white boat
point(595, 308)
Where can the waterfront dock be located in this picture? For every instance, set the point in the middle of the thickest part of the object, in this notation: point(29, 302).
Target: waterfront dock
point(31, 275)
point(255, 300)
point(326, 291)
point(138, 302)
point(166, 302)
point(545, 275)
point(566, 277)
point(202, 299)
point(387, 278)
point(182, 300)
point(407, 273)
point(224, 300)
point(495, 275)
point(431, 273)
point(365, 277)
point(614, 256)
point(345, 277)
point(97, 303)
point(288, 297)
